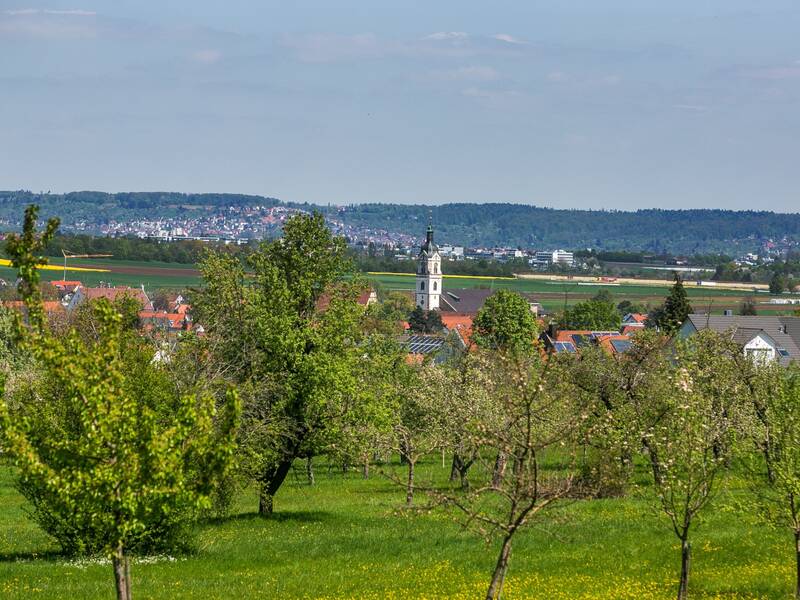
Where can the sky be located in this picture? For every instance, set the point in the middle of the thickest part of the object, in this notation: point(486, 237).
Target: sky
point(570, 104)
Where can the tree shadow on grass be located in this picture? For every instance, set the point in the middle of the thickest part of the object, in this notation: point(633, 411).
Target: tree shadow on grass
point(285, 516)
point(28, 555)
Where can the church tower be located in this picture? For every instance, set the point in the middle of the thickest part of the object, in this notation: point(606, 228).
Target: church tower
point(429, 274)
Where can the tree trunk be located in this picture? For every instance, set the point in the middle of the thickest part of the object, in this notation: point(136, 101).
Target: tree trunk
point(797, 558)
point(464, 480)
point(686, 564)
point(499, 469)
point(270, 483)
point(495, 590)
point(122, 574)
point(455, 469)
point(365, 470)
point(410, 484)
point(310, 470)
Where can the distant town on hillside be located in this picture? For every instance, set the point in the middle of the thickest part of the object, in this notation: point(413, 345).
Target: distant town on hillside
point(237, 217)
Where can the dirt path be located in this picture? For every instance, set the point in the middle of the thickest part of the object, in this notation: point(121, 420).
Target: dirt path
point(716, 285)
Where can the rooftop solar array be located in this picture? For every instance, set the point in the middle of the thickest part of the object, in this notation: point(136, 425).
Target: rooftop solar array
point(422, 344)
point(565, 347)
point(579, 339)
point(598, 334)
point(621, 346)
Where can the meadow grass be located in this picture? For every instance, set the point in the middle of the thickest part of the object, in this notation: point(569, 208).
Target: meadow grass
point(346, 537)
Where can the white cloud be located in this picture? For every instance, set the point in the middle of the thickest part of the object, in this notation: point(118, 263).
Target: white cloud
point(38, 11)
point(509, 39)
point(441, 36)
point(698, 108)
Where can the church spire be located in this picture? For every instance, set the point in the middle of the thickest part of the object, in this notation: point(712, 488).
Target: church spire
point(429, 273)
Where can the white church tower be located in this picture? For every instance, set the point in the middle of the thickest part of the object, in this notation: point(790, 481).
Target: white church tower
point(429, 274)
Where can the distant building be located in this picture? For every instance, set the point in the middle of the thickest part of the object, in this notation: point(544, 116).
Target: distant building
point(544, 259)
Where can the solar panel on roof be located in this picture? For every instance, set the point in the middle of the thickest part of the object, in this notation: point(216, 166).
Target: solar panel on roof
point(621, 346)
point(579, 339)
point(565, 347)
point(420, 344)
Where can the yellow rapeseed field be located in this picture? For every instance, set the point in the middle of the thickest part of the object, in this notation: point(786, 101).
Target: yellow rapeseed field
point(4, 262)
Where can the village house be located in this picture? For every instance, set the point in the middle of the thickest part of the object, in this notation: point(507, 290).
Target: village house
point(765, 338)
point(111, 294)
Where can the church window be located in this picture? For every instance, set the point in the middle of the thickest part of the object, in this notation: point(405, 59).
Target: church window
point(422, 286)
point(434, 286)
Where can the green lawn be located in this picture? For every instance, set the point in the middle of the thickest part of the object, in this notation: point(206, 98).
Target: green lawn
point(348, 538)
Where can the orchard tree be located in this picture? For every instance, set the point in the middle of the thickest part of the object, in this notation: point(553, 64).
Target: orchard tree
point(505, 322)
point(367, 418)
point(776, 483)
point(286, 327)
point(101, 467)
point(690, 420)
point(535, 420)
point(467, 402)
point(421, 425)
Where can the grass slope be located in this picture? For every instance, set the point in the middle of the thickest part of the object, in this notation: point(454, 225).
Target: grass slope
point(347, 538)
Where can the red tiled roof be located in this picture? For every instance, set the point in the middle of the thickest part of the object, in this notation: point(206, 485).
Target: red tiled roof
point(638, 317)
point(111, 294)
point(566, 334)
point(176, 320)
point(460, 323)
point(50, 306)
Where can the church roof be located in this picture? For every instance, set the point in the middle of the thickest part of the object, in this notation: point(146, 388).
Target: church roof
point(429, 247)
point(468, 301)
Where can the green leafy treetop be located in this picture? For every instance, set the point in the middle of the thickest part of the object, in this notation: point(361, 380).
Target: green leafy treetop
point(116, 469)
point(598, 313)
point(777, 284)
point(422, 321)
point(505, 322)
point(672, 314)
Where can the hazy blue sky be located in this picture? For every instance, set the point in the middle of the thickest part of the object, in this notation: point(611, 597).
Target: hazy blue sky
point(595, 104)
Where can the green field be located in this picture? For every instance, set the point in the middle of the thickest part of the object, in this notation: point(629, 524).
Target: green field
point(346, 537)
point(122, 272)
point(554, 294)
